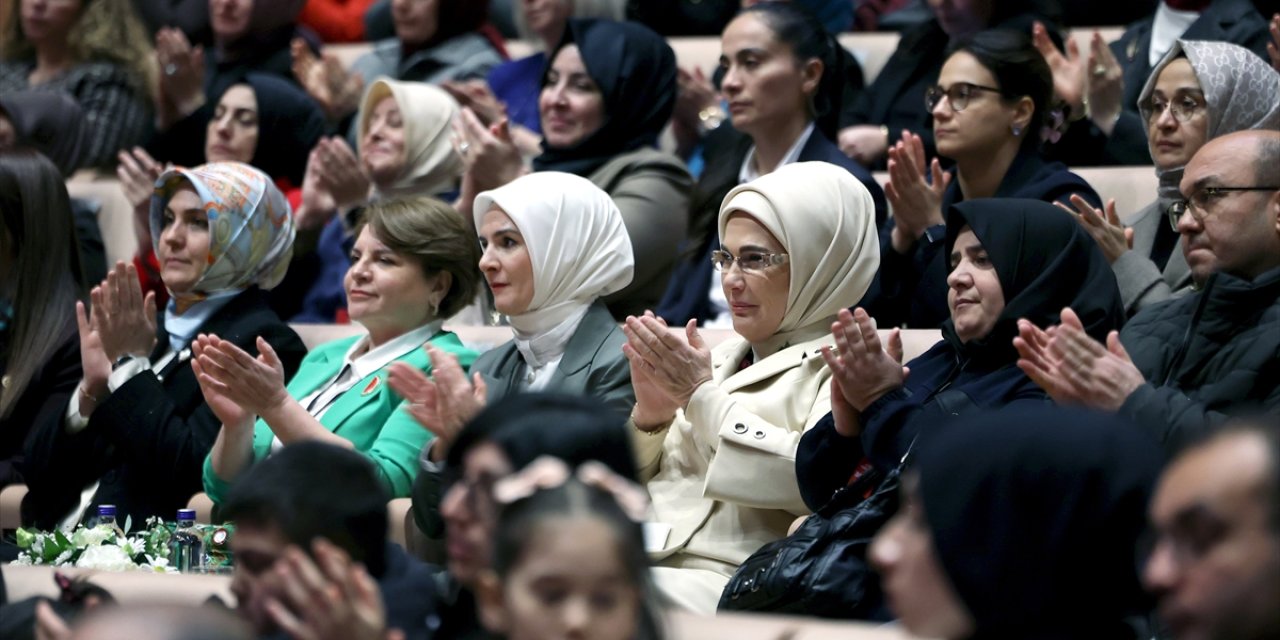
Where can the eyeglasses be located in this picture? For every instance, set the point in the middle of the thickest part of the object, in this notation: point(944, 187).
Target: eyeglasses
point(957, 95)
point(749, 262)
point(1202, 199)
point(1183, 110)
point(477, 492)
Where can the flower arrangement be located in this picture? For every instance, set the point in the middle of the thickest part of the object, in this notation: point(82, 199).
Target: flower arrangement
point(101, 547)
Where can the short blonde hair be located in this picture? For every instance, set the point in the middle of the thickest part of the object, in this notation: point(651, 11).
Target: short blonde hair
point(434, 235)
point(106, 31)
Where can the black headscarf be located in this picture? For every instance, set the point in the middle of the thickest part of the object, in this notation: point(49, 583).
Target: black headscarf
point(289, 125)
point(1036, 515)
point(48, 122)
point(635, 69)
point(1045, 262)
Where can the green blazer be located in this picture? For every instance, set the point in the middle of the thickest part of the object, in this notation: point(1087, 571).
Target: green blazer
point(367, 414)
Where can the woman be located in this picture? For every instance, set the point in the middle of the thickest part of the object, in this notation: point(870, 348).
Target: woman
point(1011, 259)
point(42, 280)
point(606, 96)
point(1025, 523)
point(512, 88)
point(991, 109)
point(891, 104)
point(1199, 91)
point(502, 439)
point(434, 42)
point(139, 428)
point(549, 282)
point(783, 80)
point(411, 268)
point(96, 52)
point(404, 150)
point(263, 121)
point(716, 431)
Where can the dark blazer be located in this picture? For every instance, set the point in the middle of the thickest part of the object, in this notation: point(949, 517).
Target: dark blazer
point(686, 296)
point(44, 399)
point(1235, 21)
point(146, 442)
point(911, 289)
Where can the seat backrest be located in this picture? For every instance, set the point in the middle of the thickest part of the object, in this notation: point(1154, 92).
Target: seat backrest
point(115, 215)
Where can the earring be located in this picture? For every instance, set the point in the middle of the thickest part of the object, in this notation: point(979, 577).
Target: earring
point(1017, 131)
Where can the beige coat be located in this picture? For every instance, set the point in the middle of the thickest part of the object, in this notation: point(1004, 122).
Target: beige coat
point(722, 475)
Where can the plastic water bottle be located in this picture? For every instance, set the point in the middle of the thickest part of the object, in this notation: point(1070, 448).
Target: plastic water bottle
point(107, 517)
point(185, 550)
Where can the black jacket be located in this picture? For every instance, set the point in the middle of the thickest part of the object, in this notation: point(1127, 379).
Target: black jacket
point(687, 294)
point(911, 289)
point(1206, 356)
point(1234, 21)
point(146, 443)
point(44, 399)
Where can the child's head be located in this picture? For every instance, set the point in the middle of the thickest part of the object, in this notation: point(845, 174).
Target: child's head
point(568, 563)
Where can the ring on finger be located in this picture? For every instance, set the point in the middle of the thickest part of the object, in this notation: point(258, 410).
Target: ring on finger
point(1099, 70)
point(463, 147)
point(170, 69)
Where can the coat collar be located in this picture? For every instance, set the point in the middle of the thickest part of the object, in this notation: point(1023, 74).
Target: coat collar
point(246, 302)
point(726, 356)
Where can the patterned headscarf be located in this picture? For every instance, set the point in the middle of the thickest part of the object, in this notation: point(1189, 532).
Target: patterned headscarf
point(1242, 92)
point(250, 227)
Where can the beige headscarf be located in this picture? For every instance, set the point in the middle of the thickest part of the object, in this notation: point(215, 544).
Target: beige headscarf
point(431, 165)
point(825, 220)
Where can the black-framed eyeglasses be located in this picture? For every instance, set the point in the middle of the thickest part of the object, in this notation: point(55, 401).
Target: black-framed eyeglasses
point(1183, 109)
point(749, 261)
point(1199, 202)
point(957, 95)
point(477, 492)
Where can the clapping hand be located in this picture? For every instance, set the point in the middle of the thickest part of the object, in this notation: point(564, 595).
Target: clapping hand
point(674, 364)
point(1106, 229)
point(442, 403)
point(181, 88)
point(862, 368)
point(916, 202)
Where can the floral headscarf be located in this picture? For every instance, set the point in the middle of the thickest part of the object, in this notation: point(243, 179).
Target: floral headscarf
point(250, 227)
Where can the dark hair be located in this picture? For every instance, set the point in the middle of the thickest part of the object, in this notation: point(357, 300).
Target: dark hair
point(1019, 70)
point(456, 17)
point(520, 520)
point(797, 28)
point(316, 490)
point(526, 426)
point(43, 277)
point(434, 235)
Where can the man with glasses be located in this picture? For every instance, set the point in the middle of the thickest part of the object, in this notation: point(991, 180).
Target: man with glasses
point(1215, 566)
point(1181, 367)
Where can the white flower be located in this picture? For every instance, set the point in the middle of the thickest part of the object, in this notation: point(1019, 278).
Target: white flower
point(37, 547)
point(23, 560)
point(92, 537)
point(133, 546)
point(158, 565)
point(105, 558)
point(63, 557)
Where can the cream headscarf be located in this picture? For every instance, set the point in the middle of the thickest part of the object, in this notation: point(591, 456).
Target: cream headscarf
point(577, 243)
point(1242, 92)
point(826, 222)
point(431, 166)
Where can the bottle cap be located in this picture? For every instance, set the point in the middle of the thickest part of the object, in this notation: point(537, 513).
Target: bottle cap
point(105, 510)
point(186, 514)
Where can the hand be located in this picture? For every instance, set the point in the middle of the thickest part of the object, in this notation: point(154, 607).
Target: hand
point(442, 405)
point(318, 205)
point(694, 93)
point(916, 203)
point(862, 368)
point(1068, 71)
point(49, 625)
point(124, 319)
point(1112, 236)
point(231, 414)
point(677, 365)
point(93, 361)
point(1273, 47)
point(326, 81)
point(1106, 89)
point(256, 384)
point(655, 408)
point(335, 599)
point(477, 96)
point(181, 87)
point(342, 173)
point(1074, 368)
point(491, 157)
point(138, 172)
point(864, 143)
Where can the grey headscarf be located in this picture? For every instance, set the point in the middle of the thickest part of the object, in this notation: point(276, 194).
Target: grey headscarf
point(1241, 89)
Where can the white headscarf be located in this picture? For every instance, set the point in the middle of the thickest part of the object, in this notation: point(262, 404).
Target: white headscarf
point(577, 243)
point(431, 166)
point(825, 220)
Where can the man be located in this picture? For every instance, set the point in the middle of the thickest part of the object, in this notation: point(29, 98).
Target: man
point(1216, 562)
point(1181, 367)
point(310, 491)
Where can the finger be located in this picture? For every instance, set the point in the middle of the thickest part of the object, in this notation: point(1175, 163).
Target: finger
point(82, 320)
point(1116, 347)
point(895, 345)
point(288, 622)
point(268, 354)
point(1073, 49)
point(667, 340)
point(1069, 318)
point(695, 338)
point(149, 307)
point(833, 362)
point(1112, 216)
point(867, 331)
point(940, 178)
point(480, 389)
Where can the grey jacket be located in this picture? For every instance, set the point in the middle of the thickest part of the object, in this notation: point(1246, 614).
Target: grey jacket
point(592, 364)
point(1142, 284)
point(464, 57)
